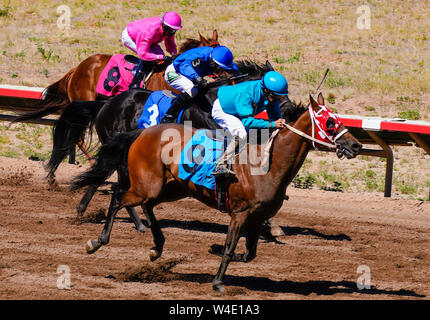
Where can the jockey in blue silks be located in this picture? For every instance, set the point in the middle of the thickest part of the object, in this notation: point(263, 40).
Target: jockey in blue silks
point(236, 106)
point(186, 73)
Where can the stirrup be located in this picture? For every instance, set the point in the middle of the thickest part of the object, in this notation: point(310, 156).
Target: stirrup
point(222, 171)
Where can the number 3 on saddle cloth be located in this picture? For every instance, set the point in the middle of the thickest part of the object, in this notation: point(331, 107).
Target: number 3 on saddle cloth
point(156, 106)
point(117, 75)
point(198, 160)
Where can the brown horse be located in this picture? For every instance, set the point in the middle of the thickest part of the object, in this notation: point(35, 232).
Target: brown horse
point(80, 83)
point(252, 199)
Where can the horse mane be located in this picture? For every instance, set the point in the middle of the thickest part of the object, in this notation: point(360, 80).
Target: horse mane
point(291, 111)
point(189, 44)
point(253, 69)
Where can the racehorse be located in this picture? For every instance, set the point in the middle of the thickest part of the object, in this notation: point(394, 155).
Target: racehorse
point(120, 114)
point(252, 199)
point(80, 83)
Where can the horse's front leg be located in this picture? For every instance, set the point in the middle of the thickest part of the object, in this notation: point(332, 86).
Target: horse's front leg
point(233, 236)
point(157, 234)
point(87, 154)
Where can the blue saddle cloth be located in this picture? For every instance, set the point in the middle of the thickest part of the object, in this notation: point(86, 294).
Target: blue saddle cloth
point(199, 156)
point(157, 105)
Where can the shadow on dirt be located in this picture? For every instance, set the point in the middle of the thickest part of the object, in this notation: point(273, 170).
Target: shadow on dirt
point(265, 233)
point(301, 288)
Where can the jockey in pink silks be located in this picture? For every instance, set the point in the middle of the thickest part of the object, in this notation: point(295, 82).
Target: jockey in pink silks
point(143, 37)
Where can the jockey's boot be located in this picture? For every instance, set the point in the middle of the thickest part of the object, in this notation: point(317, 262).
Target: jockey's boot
point(141, 71)
point(222, 166)
point(179, 103)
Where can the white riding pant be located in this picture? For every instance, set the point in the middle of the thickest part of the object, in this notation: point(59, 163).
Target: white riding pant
point(179, 82)
point(228, 122)
point(126, 41)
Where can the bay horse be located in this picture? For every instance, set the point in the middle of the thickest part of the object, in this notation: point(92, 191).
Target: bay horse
point(120, 114)
point(80, 83)
point(252, 199)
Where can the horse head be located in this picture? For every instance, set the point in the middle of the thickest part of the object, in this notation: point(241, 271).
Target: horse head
point(327, 127)
point(210, 42)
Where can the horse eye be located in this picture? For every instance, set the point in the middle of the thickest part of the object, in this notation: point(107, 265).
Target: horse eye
point(330, 123)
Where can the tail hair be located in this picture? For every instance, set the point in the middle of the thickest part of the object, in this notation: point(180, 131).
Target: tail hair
point(69, 128)
point(111, 156)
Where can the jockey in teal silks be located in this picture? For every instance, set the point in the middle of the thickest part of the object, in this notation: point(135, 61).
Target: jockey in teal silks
point(236, 106)
point(143, 36)
point(186, 73)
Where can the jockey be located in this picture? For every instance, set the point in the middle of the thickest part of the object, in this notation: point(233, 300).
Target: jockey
point(186, 73)
point(236, 106)
point(143, 36)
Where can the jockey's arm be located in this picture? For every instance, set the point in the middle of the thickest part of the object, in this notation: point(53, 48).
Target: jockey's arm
point(246, 115)
point(188, 71)
point(170, 44)
point(143, 51)
point(274, 111)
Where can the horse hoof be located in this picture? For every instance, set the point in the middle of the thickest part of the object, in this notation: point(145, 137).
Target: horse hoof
point(277, 231)
point(218, 286)
point(81, 210)
point(141, 229)
point(92, 246)
point(154, 254)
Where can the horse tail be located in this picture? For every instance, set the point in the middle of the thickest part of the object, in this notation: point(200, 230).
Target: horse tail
point(55, 98)
point(69, 128)
point(111, 156)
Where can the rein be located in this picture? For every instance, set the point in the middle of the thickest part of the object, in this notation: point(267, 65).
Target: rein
point(331, 145)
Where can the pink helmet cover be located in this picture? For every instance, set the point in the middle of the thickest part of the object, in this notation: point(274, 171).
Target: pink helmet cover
point(172, 20)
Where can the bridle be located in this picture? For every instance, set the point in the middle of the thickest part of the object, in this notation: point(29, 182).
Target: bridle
point(331, 140)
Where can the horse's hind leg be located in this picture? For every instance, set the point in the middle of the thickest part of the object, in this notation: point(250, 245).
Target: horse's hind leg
point(89, 194)
point(114, 207)
point(157, 234)
point(136, 219)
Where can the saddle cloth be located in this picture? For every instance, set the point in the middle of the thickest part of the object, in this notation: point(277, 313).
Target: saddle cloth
point(198, 158)
point(117, 75)
point(157, 105)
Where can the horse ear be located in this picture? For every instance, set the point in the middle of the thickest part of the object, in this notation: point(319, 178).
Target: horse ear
point(203, 40)
point(321, 100)
point(215, 36)
point(269, 66)
point(314, 104)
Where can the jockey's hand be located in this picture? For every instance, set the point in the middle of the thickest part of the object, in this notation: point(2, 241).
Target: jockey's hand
point(280, 123)
point(209, 79)
point(201, 82)
point(167, 59)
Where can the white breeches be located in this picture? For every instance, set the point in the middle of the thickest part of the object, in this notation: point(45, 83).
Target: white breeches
point(179, 82)
point(126, 41)
point(227, 121)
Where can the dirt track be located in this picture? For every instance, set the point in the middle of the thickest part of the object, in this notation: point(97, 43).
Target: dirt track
point(328, 236)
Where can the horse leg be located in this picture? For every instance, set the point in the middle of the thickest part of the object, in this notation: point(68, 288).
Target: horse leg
point(94, 245)
point(140, 227)
point(233, 236)
point(275, 229)
point(157, 234)
point(89, 194)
